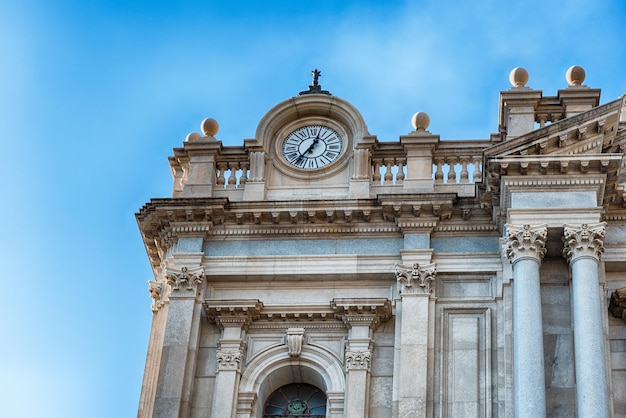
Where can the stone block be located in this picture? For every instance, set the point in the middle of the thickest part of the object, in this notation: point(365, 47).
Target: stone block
point(560, 403)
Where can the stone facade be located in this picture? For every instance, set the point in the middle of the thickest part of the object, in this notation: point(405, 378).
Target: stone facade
point(416, 278)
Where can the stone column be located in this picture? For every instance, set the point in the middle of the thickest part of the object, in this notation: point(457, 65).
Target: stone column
point(525, 249)
point(171, 389)
point(362, 317)
point(583, 247)
point(416, 287)
point(233, 317)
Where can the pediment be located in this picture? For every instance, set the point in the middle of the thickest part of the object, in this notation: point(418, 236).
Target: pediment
point(589, 133)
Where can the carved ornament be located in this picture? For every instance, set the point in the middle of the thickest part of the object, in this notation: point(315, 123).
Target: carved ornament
point(358, 359)
point(583, 241)
point(295, 338)
point(185, 279)
point(156, 294)
point(526, 242)
point(416, 279)
point(228, 360)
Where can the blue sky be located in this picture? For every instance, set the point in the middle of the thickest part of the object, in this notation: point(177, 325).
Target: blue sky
point(95, 94)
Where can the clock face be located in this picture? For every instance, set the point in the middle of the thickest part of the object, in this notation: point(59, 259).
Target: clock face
point(312, 147)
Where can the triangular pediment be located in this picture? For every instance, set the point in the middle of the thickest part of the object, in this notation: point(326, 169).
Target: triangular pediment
point(588, 133)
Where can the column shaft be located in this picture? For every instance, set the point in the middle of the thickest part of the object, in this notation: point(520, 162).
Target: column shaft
point(526, 249)
point(583, 247)
point(528, 367)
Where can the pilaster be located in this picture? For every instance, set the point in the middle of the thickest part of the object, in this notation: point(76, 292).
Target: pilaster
point(179, 341)
point(362, 317)
point(233, 317)
point(416, 285)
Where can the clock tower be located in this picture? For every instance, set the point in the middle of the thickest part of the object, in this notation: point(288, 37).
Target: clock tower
point(316, 271)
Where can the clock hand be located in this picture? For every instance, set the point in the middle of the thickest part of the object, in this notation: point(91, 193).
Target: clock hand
point(312, 145)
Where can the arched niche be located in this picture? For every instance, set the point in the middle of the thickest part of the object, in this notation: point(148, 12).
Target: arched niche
point(274, 368)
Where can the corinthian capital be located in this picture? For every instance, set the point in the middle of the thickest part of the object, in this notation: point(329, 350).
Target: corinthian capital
point(156, 294)
point(526, 241)
point(358, 359)
point(185, 279)
point(416, 279)
point(228, 359)
point(585, 240)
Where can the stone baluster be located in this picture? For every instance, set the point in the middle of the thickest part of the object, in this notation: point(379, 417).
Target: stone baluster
point(232, 179)
point(452, 173)
point(244, 174)
point(582, 249)
point(388, 172)
point(439, 171)
point(221, 179)
point(376, 176)
point(525, 249)
point(400, 174)
point(477, 174)
point(464, 172)
point(416, 286)
point(362, 317)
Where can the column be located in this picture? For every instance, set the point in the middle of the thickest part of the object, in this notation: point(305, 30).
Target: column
point(362, 317)
point(178, 340)
point(583, 247)
point(233, 317)
point(525, 249)
point(415, 291)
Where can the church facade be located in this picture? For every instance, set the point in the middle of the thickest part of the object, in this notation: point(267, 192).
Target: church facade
point(316, 271)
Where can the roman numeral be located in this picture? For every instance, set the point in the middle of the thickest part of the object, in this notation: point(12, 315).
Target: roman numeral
point(292, 156)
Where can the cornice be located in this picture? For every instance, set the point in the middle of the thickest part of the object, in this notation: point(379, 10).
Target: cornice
point(163, 221)
point(600, 120)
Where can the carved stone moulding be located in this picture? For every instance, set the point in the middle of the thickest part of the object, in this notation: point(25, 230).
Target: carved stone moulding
point(241, 311)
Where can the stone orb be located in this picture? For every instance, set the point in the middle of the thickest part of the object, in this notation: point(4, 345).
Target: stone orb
point(575, 75)
point(420, 121)
point(209, 127)
point(192, 137)
point(518, 77)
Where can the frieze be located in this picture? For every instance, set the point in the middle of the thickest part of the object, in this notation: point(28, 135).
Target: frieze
point(584, 240)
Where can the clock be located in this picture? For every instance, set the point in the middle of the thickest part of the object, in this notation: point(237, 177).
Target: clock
point(312, 147)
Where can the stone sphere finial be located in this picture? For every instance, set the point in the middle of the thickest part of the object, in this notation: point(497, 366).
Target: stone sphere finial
point(518, 77)
point(209, 127)
point(192, 137)
point(575, 75)
point(420, 121)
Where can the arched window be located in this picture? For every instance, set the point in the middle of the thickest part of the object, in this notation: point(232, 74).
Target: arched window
point(296, 400)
